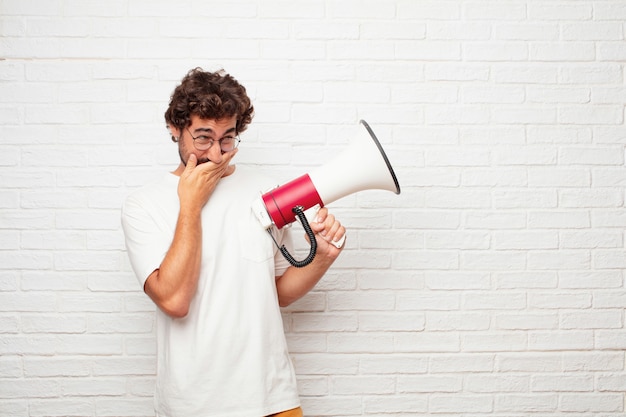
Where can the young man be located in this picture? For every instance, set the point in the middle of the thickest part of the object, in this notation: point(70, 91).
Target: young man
point(214, 273)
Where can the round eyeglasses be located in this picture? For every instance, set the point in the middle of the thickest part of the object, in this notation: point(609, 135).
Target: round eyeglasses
point(202, 142)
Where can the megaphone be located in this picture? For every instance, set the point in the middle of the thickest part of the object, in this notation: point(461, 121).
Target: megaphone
point(362, 166)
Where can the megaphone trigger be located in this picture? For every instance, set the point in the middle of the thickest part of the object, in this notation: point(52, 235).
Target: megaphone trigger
point(339, 243)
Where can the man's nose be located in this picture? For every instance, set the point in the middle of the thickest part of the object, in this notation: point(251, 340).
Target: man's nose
point(214, 153)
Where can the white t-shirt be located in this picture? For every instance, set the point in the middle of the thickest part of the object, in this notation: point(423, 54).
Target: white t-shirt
point(228, 356)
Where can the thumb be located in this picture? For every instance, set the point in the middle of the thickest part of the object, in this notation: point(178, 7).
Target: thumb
point(192, 162)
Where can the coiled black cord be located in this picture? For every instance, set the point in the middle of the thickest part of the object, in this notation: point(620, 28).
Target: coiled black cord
point(299, 212)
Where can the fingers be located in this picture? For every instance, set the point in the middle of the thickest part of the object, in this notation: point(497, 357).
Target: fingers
point(198, 180)
point(329, 228)
point(220, 166)
point(192, 161)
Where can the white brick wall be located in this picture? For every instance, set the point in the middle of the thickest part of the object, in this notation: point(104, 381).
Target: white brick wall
point(492, 286)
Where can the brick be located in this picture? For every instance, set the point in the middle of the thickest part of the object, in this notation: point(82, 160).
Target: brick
point(492, 10)
point(359, 385)
point(437, 260)
point(612, 382)
point(563, 260)
point(498, 383)
point(589, 198)
point(526, 321)
point(605, 319)
point(429, 384)
point(313, 322)
point(429, 9)
point(494, 220)
point(535, 31)
point(529, 362)
point(396, 404)
point(330, 406)
point(494, 177)
point(591, 403)
point(567, 94)
point(593, 361)
point(529, 155)
point(457, 281)
point(450, 321)
point(562, 383)
point(611, 51)
point(563, 300)
point(597, 115)
point(495, 342)
point(590, 239)
point(375, 322)
point(35, 367)
point(399, 30)
point(457, 198)
point(393, 364)
point(525, 240)
point(367, 300)
point(559, 219)
point(561, 134)
point(560, 11)
point(546, 403)
point(376, 280)
point(562, 52)
point(426, 342)
point(124, 366)
point(560, 340)
point(486, 260)
point(454, 403)
point(610, 340)
point(326, 363)
point(124, 407)
point(53, 324)
point(525, 74)
point(596, 31)
point(135, 324)
point(442, 301)
point(14, 407)
point(427, 50)
point(495, 51)
point(285, 9)
point(455, 29)
point(27, 260)
point(441, 71)
point(534, 279)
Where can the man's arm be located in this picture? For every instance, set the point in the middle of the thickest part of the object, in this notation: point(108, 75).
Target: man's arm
point(173, 285)
point(296, 282)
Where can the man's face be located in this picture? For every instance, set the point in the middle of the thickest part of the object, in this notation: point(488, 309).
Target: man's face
point(203, 129)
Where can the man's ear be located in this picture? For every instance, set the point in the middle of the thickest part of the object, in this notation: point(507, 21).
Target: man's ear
point(174, 132)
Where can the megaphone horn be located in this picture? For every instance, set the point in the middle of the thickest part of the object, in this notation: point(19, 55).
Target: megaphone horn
point(362, 166)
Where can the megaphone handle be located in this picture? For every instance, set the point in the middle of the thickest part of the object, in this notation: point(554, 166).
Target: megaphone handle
point(299, 212)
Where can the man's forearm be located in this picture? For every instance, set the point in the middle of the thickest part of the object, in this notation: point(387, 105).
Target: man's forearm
point(174, 284)
point(295, 283)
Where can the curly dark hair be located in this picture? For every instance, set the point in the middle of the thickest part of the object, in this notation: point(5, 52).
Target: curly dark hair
point(209, 95)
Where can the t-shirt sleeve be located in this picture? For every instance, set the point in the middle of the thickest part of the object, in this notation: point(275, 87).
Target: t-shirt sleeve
point(144, 243)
